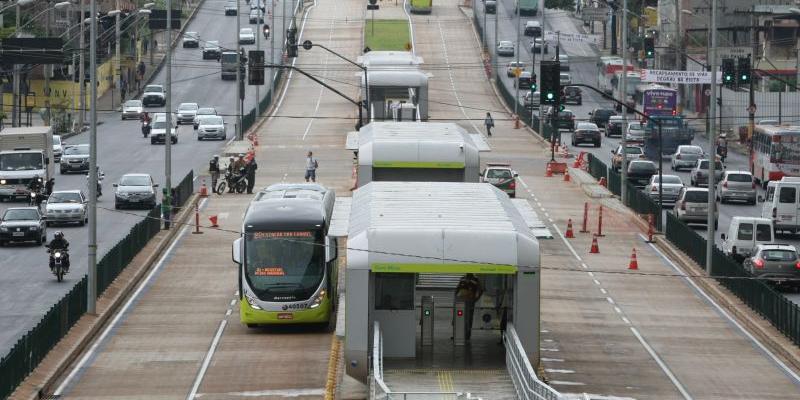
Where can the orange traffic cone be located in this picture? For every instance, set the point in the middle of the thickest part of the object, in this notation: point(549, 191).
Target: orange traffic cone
point(602, 182)
point(213, 220)
point(549, 170)
point(203, 189)
point(633, 264)
point(569, 234)
point(566, 175)
point(595, 248)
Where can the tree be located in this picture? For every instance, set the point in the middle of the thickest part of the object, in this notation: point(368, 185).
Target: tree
point(568, 5)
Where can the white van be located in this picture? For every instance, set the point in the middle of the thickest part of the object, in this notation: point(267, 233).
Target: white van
point(744, 234)
point(782, 204)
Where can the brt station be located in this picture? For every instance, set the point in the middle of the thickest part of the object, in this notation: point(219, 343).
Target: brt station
point(410, 246)
point(398, 88)
point(431, 152)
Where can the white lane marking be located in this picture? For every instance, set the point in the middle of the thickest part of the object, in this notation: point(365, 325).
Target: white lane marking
point(603, 291)
point(596, 282)
point(322, 88)
point(559, 371)
point(661, 364)
point(610, 300)
point(410, 27)
point(626, 320)
point(553, 350)
point(547, 340)
point(591, 273)
point(207, 360)
point(617, 309)
point(545, 359)
point(96, 345)
point(788, 371)
point(284, 393)
point(567, 383)
point(584, 265)
point(234, 300)
point(228, 313)
point(453, 82)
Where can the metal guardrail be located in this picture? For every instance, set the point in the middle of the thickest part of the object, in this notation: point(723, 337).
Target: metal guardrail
point(526, 384)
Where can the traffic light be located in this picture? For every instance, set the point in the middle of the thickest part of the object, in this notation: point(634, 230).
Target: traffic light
point(744, 71)
point(649, 47)
point(266, 31)
point(533, 83)
point(291, 50)
point(255, 67)
point(728, 72)
point(550, 92)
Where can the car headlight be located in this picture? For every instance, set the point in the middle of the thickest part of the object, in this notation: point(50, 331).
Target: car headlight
point(123, 194)
point(57, 255)
point(2, 181)
point(252, 302)
point(318, 299)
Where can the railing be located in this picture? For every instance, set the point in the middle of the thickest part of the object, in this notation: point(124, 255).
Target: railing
point(526, 384)
point(183, 191)
point(379, 389)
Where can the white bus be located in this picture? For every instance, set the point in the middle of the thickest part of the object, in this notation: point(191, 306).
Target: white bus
point(634, 79)
point(775, 153)
point(606, 68)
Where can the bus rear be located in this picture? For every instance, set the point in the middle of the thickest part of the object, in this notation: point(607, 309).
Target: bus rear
point(775, 153)
point(528, 7)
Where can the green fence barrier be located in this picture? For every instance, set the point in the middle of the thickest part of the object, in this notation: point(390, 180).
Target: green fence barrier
point(643, 204)
point(614, 182)
point(183, 191)
point(597, 168)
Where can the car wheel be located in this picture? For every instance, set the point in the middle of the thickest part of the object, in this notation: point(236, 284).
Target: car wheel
point(174, 140)
point(117, 206)
point(152, 140)
point(199, 138)
point(597, 144)
point(62, 171)
point(81, 223)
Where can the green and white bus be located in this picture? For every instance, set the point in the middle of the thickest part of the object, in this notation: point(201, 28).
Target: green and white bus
point(421, 6)
point(287, 262)
point(527, 7)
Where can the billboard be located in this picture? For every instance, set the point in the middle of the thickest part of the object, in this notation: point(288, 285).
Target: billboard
point(31, 51)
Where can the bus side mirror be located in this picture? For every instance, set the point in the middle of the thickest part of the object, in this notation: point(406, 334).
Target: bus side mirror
point(236, 251)
point(330, 248)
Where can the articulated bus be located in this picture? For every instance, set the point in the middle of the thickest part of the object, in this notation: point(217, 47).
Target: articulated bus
point(775, 153)
point(421, 6)
point(287, 263)
point(606, 68)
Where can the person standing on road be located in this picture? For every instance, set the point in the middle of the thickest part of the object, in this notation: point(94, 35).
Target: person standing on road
point(140, 73)
point(213, 170)
point(311, 167)
point(469, 290)
point(489, 122)
point(251, 174)
point(123, 88)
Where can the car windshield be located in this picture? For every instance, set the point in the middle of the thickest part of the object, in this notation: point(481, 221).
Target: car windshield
point(704, 165)
point(696, 196)
point(190, 35)
point(636, 127)
point(212, 44)
point(740, 178)
point(133, 103)
point(229, 58)
point(186, 107)
point(20, 215)
point(20, 161)
point(152, 88)
point(633, 150)
point(603, 113)
point(56, 140)
point(246, 31)
point(206, 111)
point(76, 150)
point(669, 179)
point(572, 91)
point(211, 120)
point(64, 197)
point(160, 124)
point(642, 166)
point(778, 255)
point(499, 174)
point(691, 150)
point(134, 180)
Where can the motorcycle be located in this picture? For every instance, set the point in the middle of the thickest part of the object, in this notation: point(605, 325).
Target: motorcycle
point(59, 261)
point(36, 198)
point(100, 177)
point(237, 182)
point(722, 152)
point(146, 128)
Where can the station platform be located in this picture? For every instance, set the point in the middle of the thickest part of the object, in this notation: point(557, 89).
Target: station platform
point(477, 368)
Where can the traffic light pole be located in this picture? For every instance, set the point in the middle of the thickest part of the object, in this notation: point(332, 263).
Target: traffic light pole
point(308, 45)
point(711, 141)
point(624, 87)
point(239, 108)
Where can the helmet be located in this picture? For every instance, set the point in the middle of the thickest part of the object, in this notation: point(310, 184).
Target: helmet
point(216, 156)
point(59, 235)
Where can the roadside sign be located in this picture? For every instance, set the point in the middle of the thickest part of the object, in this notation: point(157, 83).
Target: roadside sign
point(679, 77)
point(594, 14)
point(563, 37)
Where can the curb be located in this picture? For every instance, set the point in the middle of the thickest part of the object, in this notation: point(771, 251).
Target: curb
point(101, 320)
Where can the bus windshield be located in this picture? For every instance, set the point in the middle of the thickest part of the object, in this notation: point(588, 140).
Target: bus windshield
point(284, 263)
point(786, 152)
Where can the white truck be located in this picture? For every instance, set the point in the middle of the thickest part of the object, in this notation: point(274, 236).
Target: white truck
point(25, 153)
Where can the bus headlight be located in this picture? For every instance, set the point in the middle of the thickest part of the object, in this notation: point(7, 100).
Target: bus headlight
point(318, 299)
point(252, 302)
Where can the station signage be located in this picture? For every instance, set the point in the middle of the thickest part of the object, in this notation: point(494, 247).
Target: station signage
point(678, 77)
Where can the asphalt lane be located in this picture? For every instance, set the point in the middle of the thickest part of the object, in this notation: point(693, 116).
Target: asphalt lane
point(583, 69)
point(27, 289)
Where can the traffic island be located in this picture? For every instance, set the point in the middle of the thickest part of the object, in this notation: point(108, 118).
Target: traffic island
point(387, 34)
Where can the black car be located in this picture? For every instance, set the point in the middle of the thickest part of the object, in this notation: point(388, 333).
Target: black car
point(524, 80)
point(586, 132)
point(230, 8)
point(566, 119)
point(600, 116)
point(490, 6)
point(211, 51)
point(640, 172)
point(75, 158)
point(572, 94)
point(614, 126)
point(23, 224)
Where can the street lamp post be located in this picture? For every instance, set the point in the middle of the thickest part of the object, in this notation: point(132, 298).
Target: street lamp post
point(168, 137)
point(92, 272)
point(712, 134)
point(624, 86)
point(82, 69)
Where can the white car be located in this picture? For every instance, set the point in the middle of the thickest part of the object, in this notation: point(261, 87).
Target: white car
point(211, 127)
point(513, 65)
point(66, 206)
point(186, 112)
point(191, 39)
point(531, 100)
point(247, 36)
point(132, 109)
point(565, 79)
point(201, 112)
point(686, 156)
point(636, 132)
point(154, 95)
point(158, 130)
point(58, 148)
point(505, 48)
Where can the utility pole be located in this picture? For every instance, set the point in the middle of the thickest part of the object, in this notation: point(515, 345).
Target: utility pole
point(82, 68)
point(48, 68)
point(271, 50)
point(680, 64)
point(168, 137)
point(518, 50)
point(239, 110)
point(118, 66)
point(613, 34)
point(533, 51)
point(751, 111)
point(712, 134)
point(15, 84)
point(259, 32)
point(624, 86)
point(92, 273)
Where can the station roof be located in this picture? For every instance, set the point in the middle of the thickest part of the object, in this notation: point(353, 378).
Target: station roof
point(438, 227)
point(389, 59)
point(407, 78)
point(380, 142)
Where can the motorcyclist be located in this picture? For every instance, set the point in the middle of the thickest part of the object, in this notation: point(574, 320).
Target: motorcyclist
point(35, 188)
point(213, 170)
point(230, 176)
point(145, 123)
point(722, 149)
point(48, 186)
point(59, 243)
point(145, 117)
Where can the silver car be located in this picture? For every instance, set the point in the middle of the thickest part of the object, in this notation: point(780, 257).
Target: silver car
point(75, 158)
point(186, 112)
point(132, 109)
point(737, 185)
point(699, 174)
point(505, 48)
point(201, 112)
point(775, 262)
point(692, 207)
point(211, 127)
point(135, 190)
point(671, 186)
point(247, 36)
point(66, 206)
point(636, 132)
point(565, 79)
point(58, 148)
point(686, 157)
point(531, 100)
